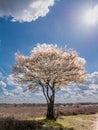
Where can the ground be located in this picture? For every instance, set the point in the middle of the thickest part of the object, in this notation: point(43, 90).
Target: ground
point(95, 124)
point(69, 117)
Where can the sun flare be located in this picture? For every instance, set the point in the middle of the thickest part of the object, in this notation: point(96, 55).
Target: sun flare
point(91, 16)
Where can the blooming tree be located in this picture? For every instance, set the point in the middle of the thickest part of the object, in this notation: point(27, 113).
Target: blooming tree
point(49, 68)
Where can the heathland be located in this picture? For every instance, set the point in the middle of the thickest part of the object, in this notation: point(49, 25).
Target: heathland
point(32, 117)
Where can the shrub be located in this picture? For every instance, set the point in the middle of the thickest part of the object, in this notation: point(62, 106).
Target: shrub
point(12, 124)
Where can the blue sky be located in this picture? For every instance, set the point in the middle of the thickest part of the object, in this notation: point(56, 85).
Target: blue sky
point(24, 24)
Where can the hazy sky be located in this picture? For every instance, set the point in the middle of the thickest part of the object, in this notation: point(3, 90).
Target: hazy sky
point(71, 23)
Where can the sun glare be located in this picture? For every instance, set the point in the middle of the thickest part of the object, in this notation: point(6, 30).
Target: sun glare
point(91, 16)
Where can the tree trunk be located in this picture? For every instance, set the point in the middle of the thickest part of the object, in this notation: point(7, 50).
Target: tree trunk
point(50, 106)
point(50, 111)
point(50, 100)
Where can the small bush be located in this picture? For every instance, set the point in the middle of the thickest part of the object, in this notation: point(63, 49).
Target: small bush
point(77, 110)
point(12, 124)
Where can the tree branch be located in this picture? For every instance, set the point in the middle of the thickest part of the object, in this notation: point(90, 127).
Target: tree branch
point(43, 89)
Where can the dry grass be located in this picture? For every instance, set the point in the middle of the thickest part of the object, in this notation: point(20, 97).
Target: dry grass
point(74, 122)
point(22, 112)
point(21, 116)
point(78, 122)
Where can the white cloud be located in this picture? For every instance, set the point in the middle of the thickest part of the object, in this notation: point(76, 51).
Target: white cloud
point(82, 60)
point(24, 10)
point(86, 92)
point(93, 78)
point(18, 90)
point(5, 92)
point(10, 80)
point(40, 94)
point(2, 84)
point(17, 99)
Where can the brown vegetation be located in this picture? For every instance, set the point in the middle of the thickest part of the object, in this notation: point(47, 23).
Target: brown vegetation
point(21, 117)
point(78, 109)
point(24, 112)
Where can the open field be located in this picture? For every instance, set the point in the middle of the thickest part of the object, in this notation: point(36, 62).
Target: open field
point(24, 112)
point(32, 117)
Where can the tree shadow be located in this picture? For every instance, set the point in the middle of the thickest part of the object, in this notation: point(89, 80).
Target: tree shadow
point(54, 124)
point(12, 124)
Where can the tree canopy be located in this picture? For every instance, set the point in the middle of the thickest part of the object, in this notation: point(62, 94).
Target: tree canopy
point(49, 67)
